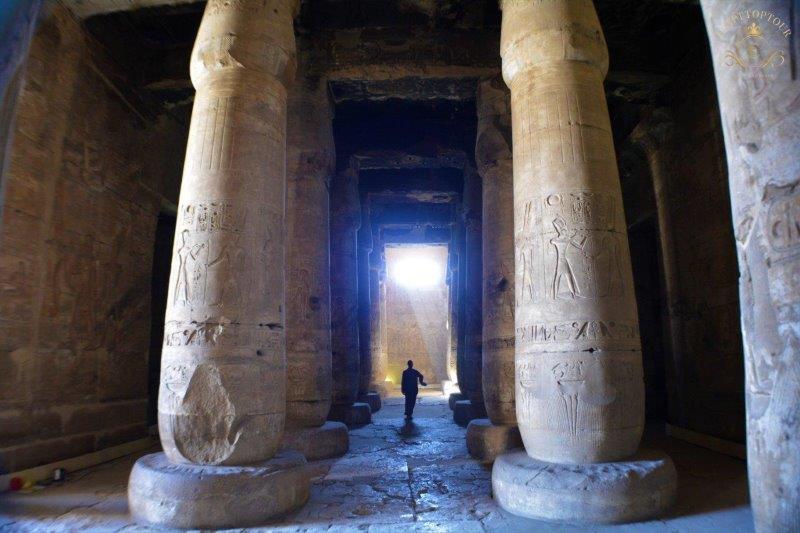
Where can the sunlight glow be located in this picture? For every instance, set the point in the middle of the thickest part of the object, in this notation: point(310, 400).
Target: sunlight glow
point(417, 271)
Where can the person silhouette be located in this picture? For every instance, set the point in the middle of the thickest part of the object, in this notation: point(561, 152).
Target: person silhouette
point(408, 386)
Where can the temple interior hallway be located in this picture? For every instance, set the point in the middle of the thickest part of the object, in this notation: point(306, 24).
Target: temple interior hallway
point(396, 477)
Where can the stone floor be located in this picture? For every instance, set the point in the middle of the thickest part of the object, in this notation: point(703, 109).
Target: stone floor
point(398, 477)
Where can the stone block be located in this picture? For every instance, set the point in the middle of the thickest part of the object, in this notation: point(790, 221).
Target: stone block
point(464, 411)
point(355, 415)
point(485, 441)
point(455, 397)
point(329, 440)
point(636, 489)
point(373, 399)
point(188, 496)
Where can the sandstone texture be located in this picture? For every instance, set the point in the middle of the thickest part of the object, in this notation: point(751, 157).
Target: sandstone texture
point(331, 439)
point(185, 496)
point(579, 387)
point(356, 414)
point(493, 158)
point(309, 165)
point(622, 491)
point(223, 398)
point(761, 125)
point(485, 441)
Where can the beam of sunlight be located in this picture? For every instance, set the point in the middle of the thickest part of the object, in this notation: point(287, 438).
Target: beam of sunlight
point(417, 271)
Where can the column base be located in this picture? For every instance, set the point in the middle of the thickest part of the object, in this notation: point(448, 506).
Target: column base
point(354, 415)
point(323, 442)
point(453, 398)
point(465, 411)
point(636, 489)
point(187, 496)
point(485, 441)
point(373, 399)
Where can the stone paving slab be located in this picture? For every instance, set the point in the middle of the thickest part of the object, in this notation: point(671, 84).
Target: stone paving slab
point(398, 477)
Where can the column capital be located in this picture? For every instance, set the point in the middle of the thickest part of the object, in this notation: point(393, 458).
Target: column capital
point(244, 39)
point(538, 34)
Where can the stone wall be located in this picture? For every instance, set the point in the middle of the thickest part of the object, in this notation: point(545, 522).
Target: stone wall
point(416, 322)
point(87, 177)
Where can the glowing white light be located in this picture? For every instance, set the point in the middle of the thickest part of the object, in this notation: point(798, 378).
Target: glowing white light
point(417, 272)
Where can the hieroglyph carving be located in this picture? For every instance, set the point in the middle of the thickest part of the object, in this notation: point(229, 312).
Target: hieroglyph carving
point(573, 250)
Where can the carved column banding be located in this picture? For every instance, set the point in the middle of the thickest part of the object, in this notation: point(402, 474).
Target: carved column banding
point(579, 387)
point(222, 395)
point(345, 221)
point(310, 160)
point(493, 158)
point(754, 51)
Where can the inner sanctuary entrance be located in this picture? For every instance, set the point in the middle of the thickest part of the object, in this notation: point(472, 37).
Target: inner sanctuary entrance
point(226, 227)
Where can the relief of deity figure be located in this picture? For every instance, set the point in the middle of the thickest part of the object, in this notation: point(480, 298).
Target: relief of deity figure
point(191, 270)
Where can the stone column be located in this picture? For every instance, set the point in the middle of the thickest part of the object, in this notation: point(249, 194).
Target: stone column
point(345, 221)
point(309, 164)
point(222, 400)
point(470, 378)
point(754, 50)
point(455, 258)
point(450, 385)
point(365, 247)
point(488, 438)
point(379, 364)
point(579, 387)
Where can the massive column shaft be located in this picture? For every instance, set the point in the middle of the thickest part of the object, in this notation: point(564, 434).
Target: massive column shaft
point(493, 157)
point(580, 394)
point(364, 289)
point(754, 49)
point(379, 364)
point(310, 157)
point(222, 397)
point(471, 385)
point(345, 220)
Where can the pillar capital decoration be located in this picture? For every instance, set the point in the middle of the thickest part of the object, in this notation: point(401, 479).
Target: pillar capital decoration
point(539, 35)
point(243, 41)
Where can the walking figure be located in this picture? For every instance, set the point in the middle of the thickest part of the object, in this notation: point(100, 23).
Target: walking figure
point(408, 387)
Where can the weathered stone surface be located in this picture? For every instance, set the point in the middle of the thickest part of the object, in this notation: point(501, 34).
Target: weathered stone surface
point(354, 415)
point(453, 398)
point(624, 491)
point(222, 398)
point(365, 246)
point(166, 494)
point(373, 399)
point(309, 164)
point(485, 441)
point(331, 439)
point(493, 159)
point(345, 220)
point(579, 387)
point(79, 206)
point(751, 45)
point(464, 411)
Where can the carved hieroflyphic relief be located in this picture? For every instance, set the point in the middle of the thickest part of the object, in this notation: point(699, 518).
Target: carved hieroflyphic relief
point(577, 384)
point(572, 249)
